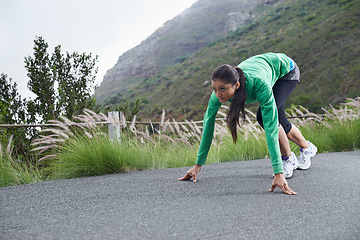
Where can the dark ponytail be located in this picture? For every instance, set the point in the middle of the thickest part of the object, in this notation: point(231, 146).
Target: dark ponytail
point(231, 75)
point(237, 106)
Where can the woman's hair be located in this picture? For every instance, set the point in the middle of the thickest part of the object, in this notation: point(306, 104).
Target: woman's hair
point(230, 75)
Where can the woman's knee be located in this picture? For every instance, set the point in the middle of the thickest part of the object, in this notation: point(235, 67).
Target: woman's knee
point(259, 118)
point(286, 126)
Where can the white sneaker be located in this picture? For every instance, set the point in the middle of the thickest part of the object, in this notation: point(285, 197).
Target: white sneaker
point(290, 165)
point(306, 155)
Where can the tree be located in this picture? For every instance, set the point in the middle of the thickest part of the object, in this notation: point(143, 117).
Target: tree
point(13, 110)
point(12, 107)
point(62, 83)
point(75, 75)
point(41, 81)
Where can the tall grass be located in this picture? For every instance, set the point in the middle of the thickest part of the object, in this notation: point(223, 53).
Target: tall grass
point(344, 136)
point(335, 131)
point(13, 172)
point(81, 148)
point(252, 148)
point(84, 156)
point(100, 155)
point(78, 149)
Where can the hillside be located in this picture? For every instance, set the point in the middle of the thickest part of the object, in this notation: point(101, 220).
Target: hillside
point(202, 23)
point(321, 36)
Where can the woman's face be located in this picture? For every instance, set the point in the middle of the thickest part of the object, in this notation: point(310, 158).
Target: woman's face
point(224, 91)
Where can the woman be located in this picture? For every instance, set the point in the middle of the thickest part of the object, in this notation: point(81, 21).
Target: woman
point(268, 79)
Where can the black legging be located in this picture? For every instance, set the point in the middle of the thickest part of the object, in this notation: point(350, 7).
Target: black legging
point(281, 90)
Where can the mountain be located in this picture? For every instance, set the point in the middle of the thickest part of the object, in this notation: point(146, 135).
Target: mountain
point(202, 23)
point(320, 35)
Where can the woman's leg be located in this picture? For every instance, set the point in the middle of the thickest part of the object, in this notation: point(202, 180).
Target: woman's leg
point(284, 143)
point(296, 136)
point(283, 139)
point(282, 89)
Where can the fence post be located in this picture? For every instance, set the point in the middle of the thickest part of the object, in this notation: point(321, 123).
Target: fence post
point(114, 125)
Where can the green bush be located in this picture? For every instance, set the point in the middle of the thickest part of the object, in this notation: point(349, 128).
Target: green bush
point(15, 173)
point(245, 149)
point(84, 156)
point(342, 136)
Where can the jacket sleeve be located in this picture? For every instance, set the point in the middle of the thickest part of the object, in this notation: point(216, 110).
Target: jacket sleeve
point(271, 123)
point(208, 129)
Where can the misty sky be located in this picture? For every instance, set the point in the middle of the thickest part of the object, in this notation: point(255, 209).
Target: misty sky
point(106, 28)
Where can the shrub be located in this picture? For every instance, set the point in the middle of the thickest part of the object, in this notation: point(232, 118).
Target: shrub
point(13, 172)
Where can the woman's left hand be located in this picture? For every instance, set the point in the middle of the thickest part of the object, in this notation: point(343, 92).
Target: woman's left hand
point(280, 181)
point(192, 173)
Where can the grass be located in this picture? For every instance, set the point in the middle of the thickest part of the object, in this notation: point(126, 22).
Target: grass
point(342, 136)
point(335, 131)
point(13, 172)
point(252, 148)
point(100, 156)
point(84, 156)
point(80, 149)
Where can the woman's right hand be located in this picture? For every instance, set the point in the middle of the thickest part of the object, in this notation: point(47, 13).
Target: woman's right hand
point(280, 181)
point(192, 173)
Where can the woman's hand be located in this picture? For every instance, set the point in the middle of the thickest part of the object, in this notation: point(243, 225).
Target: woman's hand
point(192, 173)
point(280, 181)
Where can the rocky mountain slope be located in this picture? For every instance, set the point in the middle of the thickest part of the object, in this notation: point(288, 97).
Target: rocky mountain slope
point(322, 36)
point(177, 39)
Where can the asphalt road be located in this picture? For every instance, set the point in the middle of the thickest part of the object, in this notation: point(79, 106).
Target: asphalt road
point(229, 201)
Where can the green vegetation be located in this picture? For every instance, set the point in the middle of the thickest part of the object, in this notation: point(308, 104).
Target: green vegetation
point(342, 136)
point(99, 156)
point(321, 36)
point(15, 110)
point(13, 172)
point(62, 84)
point(81, 148)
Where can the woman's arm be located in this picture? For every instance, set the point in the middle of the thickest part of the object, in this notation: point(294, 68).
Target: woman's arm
point(207, 136)
point(271, 124)
point(208, 129)
point(271, 127)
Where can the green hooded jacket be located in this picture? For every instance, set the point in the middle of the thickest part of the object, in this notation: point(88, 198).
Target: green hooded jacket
point(261, 73)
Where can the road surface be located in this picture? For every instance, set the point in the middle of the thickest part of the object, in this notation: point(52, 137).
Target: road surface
point(229, 201)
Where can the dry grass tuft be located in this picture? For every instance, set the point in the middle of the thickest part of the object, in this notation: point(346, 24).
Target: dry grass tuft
point(51, 138)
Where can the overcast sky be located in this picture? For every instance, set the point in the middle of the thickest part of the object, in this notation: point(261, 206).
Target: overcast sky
point(106, 28)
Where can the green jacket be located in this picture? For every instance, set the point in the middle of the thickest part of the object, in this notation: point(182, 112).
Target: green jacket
point(261, 73)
